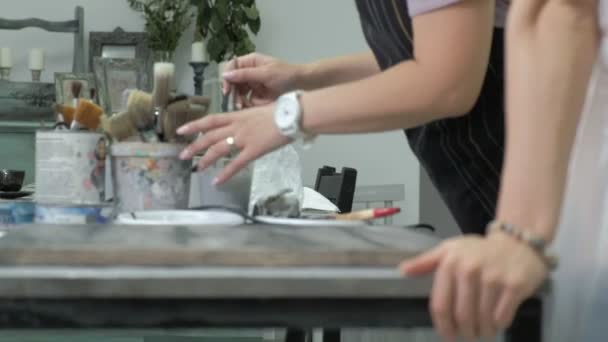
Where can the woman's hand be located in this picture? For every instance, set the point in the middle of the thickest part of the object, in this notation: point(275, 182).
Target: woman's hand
point(252, 133)
point(479, 283)
point(259, 79)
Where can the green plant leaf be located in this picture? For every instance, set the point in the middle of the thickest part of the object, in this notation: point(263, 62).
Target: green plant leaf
point(222, 8)
point(255, 25)
point(251, 12)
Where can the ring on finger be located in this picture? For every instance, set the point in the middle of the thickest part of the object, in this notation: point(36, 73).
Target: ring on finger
point(231, 143)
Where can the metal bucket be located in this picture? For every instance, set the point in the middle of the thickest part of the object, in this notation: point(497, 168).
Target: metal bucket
point(70, 214)
point(235, 193)
point(149, 177)
point(70, 167)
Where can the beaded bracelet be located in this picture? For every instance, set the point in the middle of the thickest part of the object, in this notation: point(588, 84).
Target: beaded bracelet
point(537, 243)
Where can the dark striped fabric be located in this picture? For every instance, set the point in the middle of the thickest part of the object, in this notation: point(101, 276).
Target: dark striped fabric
point(463, 156)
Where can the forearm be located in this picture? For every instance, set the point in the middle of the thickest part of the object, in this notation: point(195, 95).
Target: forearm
point(405, 96)
point(418, 91)
point(329, 72)
point(551, 50)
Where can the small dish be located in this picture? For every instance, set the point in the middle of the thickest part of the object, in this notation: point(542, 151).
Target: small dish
point(14, 194)
point(308, 222)
point(181, 217)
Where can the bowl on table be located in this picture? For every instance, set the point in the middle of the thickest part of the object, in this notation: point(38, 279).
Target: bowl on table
point(11, 180)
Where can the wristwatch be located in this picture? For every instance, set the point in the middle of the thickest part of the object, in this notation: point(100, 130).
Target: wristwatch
point(288, 117)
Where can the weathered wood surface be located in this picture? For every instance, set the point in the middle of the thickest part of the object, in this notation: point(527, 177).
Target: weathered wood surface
point(75, 26)
point(26, 101)
point(70, 26)
point(259, 246)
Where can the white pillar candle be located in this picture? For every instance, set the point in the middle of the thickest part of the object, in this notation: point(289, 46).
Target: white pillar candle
point(199, 53)
point(6, 58)
point(37, 59)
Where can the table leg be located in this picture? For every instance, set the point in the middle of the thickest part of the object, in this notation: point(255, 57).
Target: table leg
point(331, 335)
point(298, 335)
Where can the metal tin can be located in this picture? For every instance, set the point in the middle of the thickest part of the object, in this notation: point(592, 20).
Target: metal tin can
point(150, 177)
point(17, 212)
point(66, 214)
point(70, 167)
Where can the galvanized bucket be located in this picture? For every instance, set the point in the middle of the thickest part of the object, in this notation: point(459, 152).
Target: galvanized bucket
point(70, 167)
point(235, 193)
point(149, 177)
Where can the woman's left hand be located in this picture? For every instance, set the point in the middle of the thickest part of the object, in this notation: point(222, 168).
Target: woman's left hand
point(252, 133)
point(479, 283)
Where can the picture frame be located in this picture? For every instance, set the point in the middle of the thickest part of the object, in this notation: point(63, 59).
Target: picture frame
point(63, 85)
point(119, 44)
point(114, 76)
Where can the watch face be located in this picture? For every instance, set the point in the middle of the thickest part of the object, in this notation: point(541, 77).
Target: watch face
point(287, 114)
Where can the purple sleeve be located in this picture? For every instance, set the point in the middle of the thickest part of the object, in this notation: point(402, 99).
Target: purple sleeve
point(417, 7)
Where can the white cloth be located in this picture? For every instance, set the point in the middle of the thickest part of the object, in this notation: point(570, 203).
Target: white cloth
point(315, 202)
point(578, 308)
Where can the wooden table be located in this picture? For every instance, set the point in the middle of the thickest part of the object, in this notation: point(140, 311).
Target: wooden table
point(94, 277)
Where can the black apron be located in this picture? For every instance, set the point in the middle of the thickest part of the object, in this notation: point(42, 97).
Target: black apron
point(462, 156)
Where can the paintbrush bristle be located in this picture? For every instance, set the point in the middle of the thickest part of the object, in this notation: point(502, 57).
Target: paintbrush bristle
point(119, 126)
point(88, 114)
point(163, 77)
point(140, 102)
point(67, 112)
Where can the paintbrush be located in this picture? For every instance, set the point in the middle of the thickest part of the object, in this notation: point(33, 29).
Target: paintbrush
point(362, 215)
point(180, 111)
point(140, 110)
point(76, 89)
point(163, 78)
point(231, 91)
point(65, 114)
point(87, 115)
point(119, 126)
point(93, 95)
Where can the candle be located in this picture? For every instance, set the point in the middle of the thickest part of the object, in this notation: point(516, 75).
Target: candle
point(6, 58)
point(199, 55)
point(37, 59)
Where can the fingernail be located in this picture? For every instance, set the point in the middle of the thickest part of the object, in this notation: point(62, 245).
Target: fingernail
point(184, 155)
point(229, 74)
point(239, 106)
point(216, 181)
point(182, 130)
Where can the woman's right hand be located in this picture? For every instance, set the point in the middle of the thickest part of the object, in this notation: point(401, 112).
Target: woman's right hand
point(259, 79)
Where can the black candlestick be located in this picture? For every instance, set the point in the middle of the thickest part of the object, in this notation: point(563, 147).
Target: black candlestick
point(199, 76)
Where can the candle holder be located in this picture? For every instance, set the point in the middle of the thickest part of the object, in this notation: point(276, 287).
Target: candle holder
point(199, 76)
point(5, 73)
point(36, 75)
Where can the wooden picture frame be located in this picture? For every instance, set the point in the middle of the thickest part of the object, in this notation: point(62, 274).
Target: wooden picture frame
point(126, 45)
point(63, 82)
point(114, 76)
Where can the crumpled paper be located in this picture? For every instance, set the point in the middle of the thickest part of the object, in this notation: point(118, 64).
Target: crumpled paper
point(276, 188)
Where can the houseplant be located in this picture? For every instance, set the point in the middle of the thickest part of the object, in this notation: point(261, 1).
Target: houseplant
point(226, 26)
point(166, 21)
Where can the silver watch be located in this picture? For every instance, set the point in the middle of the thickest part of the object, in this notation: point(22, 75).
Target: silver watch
point(288, 117)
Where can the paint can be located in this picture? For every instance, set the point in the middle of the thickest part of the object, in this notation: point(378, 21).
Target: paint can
point(70, 167)
point(149, 177)
point(17, 212)
point(235, 193)
point(72, 214)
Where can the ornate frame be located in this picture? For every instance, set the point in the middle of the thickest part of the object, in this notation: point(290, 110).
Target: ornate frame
point(60, 77)
point(97, 40)
point(104, 65)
